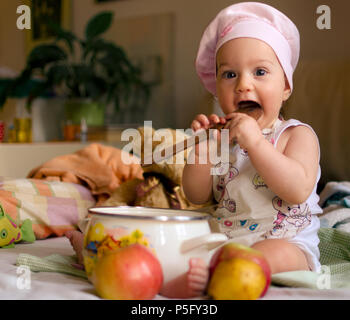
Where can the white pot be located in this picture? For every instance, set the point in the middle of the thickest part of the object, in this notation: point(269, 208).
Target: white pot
point(174, 235)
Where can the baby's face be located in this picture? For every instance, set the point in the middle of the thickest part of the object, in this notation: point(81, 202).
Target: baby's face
point(249, 73)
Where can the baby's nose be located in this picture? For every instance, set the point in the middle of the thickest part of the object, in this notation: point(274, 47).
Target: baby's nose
point(244, 84)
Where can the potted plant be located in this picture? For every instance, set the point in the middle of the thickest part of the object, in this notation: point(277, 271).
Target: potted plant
point(97, 74)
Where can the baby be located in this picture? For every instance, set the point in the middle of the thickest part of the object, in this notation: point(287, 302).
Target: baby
point(267, 198)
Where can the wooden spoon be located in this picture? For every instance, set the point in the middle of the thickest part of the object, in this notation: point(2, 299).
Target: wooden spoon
point(195, 139)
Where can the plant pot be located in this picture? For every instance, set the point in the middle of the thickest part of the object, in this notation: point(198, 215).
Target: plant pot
point(92, 112)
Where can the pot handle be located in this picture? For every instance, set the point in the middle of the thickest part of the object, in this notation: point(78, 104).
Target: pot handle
point(83, 224)
point(211, 240)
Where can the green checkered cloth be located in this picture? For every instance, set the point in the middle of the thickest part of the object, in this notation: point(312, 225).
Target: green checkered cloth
point(335, 260)
point(334, 257)
point(53, 263)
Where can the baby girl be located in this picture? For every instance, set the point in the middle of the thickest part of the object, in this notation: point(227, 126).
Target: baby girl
point(267, 199)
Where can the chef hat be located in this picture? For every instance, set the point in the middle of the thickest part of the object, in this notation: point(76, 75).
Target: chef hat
point(248, 20)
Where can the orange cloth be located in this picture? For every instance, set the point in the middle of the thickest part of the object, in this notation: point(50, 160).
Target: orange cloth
point(98, 167)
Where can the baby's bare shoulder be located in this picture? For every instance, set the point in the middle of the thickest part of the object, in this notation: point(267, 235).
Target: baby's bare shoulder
point(302, 137)
point(300, 131)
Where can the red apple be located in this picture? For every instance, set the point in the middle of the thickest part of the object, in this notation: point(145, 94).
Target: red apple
point(129, 273)
point(235, 250)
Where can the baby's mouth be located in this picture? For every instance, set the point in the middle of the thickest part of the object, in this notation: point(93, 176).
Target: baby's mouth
point(248, 105)
point(250, 108)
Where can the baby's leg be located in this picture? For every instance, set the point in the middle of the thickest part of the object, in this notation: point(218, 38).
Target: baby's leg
point(76, 239)
point(282, 255)
point(191, 284)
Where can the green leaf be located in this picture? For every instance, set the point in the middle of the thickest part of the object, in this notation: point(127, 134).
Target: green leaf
point(106, 54)
point(5, 88)
point(98, 24)
point(21, 85)
point(62, 34)
point(57, 74)
point(82, 72)
point(22, 79)
point(112, 91)
point(96, 87)
point(44, 54)
point(39, 89)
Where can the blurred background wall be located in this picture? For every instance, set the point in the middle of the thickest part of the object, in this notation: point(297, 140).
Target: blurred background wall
point(187, 19)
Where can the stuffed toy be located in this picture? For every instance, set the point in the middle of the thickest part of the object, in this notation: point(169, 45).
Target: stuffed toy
point(10, 233)
point(162, 183)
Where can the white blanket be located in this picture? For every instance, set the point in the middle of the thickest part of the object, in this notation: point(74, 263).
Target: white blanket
point(14, 283)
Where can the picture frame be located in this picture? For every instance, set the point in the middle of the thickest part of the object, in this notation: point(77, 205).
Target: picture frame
point(58, 11)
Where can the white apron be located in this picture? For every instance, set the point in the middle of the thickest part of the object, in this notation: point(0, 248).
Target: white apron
point(248, 211)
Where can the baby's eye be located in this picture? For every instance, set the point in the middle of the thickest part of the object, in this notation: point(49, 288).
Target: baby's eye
point(228, 75)
point(260, 72)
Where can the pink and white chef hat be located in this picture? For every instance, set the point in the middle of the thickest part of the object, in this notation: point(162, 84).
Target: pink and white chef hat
point(248, 20)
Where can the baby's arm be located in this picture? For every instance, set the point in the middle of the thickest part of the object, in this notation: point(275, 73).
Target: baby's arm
point(197, 183)
point(196, 179)
point(290, 170)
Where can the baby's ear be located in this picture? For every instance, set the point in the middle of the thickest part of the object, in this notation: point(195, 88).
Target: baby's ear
point(287, 91)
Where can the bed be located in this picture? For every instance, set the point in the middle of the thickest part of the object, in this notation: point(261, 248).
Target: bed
point(61, 286)
point(310, 103)
point(46, 268)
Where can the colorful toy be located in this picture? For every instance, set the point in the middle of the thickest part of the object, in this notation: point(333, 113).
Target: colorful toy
point(10, 233)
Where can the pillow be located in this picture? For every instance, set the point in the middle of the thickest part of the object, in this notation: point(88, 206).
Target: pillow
point(54, 207)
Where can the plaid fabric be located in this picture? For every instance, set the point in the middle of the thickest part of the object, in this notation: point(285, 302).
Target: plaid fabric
point(335, 260)
point(53, 206)
point(53, 263)
point(335, 254)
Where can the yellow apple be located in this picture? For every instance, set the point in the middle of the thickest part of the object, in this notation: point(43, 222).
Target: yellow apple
point(233, 251)
point(237, 279)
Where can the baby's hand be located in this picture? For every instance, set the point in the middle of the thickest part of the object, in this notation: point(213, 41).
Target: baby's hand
point(202, 122)
point(244, 130)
